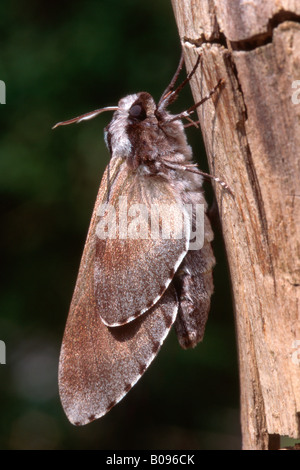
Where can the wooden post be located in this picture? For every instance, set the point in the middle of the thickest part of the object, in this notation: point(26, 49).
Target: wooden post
point(251, 130)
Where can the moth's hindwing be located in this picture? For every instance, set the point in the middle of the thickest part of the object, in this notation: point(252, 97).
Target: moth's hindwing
point(99, 364)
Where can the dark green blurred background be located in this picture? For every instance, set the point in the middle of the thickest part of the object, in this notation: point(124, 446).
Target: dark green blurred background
point(60, 59)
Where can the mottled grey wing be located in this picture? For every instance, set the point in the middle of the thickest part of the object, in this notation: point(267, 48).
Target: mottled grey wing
point(133, 270)
point(98, 364)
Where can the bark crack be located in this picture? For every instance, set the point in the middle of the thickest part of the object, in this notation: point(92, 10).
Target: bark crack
point(266, 37)
point(198, 42)
point(250, 43)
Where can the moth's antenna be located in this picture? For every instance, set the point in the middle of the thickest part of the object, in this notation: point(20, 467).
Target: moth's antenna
point(86, 116)
point(170, 95)
point(171, 85)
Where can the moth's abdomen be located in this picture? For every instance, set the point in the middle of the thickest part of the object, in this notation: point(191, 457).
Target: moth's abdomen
point(194, 285)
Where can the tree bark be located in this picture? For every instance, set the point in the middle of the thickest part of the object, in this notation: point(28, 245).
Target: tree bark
point(251, 130)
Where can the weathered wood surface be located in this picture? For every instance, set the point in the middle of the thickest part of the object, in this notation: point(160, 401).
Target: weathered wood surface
point(251, 131)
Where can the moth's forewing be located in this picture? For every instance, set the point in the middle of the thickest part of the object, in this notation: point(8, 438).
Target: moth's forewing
point(135, 266)
point(99, 365)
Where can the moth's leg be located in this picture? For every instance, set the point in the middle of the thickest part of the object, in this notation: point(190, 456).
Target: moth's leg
point(194, 284)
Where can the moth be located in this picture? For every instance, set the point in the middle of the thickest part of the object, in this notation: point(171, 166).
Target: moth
point(137, 279)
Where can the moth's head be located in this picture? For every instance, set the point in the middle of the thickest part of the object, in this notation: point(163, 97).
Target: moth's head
point(137, 125)
point(137, 107)
point(136, 119)
point(140, 110)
